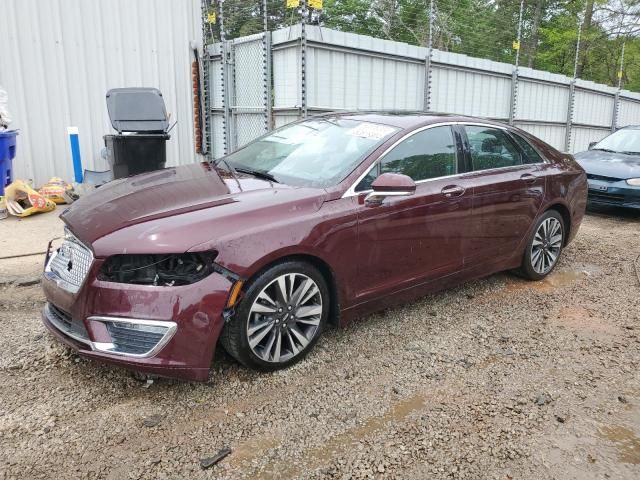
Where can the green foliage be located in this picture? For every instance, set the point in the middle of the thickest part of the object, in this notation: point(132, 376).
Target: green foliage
point(480, 28)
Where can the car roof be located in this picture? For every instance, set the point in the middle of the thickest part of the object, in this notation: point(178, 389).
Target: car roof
point(407, 120)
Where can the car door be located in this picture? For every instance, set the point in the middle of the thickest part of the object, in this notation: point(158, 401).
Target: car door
point(409, 240)
point(508, 193)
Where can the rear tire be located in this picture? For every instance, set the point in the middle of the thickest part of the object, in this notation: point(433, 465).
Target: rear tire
point(280, 318)
point(544, 247)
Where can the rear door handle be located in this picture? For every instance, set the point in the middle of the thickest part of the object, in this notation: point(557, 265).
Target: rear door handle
point(527, 177)
point(451, 191)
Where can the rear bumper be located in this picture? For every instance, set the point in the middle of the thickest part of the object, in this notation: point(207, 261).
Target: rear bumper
point(613, 194)
point(195, 311)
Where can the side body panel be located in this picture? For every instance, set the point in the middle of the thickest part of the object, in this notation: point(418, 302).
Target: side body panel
point(504, 207)
point(407, 241)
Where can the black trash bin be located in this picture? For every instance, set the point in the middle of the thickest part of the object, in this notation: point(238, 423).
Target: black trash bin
point(140, 118)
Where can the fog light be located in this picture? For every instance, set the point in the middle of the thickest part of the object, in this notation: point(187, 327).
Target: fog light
point(130, 337)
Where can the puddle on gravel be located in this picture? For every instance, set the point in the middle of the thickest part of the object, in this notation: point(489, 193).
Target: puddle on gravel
point(557, 279)
point(626, 443)
point(562, 279)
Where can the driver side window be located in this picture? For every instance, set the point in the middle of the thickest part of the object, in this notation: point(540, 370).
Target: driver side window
point(431, 153)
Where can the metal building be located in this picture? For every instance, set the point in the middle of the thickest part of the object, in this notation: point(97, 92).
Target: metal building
point(58, 58)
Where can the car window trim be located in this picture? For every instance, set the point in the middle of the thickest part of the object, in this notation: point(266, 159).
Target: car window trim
point(351, 191)
point(533, 147)
point(452, 132)
point(509, 138)
point(395, 144)
point(464, 160)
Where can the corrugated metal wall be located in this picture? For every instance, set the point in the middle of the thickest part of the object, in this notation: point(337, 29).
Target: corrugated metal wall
point(58, 58)
point(629, 109)
point(355, 72)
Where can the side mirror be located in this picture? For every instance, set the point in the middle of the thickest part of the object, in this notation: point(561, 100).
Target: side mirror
point(390, 185)
point(592, 144)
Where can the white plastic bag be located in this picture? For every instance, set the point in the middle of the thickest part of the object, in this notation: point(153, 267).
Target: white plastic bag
point(5, 116)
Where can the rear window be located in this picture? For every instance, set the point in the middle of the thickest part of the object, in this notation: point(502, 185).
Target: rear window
point(491, 148)
point(530, 154)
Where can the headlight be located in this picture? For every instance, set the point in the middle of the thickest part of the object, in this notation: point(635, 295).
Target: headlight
point(165, 270)
point(634, 182)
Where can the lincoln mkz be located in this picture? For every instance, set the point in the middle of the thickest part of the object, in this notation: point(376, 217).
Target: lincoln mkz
point(316, 223)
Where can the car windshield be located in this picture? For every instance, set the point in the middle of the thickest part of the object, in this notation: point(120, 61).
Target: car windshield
point(626, 140)
point(318, 152)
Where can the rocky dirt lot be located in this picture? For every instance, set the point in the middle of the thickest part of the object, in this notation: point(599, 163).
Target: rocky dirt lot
point(500, 378)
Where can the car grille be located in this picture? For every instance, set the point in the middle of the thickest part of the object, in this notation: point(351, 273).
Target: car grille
point(71, 263)
point(606, 198)
point(66, 324)
point(128, 340)
point(603, 178)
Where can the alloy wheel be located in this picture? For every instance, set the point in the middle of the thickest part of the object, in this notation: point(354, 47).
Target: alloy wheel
point(284, 318)
point(546, 245)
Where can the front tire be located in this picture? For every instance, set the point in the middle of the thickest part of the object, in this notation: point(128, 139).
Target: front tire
point(544, 247)
point(280, 318)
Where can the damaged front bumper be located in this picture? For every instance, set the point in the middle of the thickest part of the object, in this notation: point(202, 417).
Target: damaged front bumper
point(167, 331)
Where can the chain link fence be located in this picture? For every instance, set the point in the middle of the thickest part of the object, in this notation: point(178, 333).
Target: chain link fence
point(238, 80)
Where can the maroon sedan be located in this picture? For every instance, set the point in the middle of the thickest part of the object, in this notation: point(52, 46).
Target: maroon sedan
point(317, 222)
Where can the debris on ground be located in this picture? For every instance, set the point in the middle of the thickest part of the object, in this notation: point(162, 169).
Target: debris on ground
point(22, 200)
point(152, 421)
point(4, 213)
point(97, 178)
point(211, 461)
point(55, 190)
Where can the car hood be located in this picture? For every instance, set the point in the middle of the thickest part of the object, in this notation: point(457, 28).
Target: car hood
point(152, 198)
point(617, 165)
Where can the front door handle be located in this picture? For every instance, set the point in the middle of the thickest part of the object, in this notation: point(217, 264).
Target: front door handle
point(451, 191)
point(527, 177)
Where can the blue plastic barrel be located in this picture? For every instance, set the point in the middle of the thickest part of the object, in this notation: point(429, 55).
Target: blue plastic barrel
point(7, 154)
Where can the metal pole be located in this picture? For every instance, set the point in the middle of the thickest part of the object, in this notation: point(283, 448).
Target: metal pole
point(575, 64)
point(303, 59)
point(225, 82)
point(621, 66)
point(616, 98)
point(204, 78)
point(572, 91)
point(427, 65)
point(519, 33)
point(266, 68)
point(569, 126)
point(514, 77)
point(265, 17)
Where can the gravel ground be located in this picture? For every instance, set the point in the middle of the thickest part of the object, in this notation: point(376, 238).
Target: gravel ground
point(499, 378)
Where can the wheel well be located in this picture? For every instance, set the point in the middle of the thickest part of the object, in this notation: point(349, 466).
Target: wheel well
point(566, 216)
point(326, 272)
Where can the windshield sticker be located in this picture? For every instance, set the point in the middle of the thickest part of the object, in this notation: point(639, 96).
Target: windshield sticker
point(371, 130)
